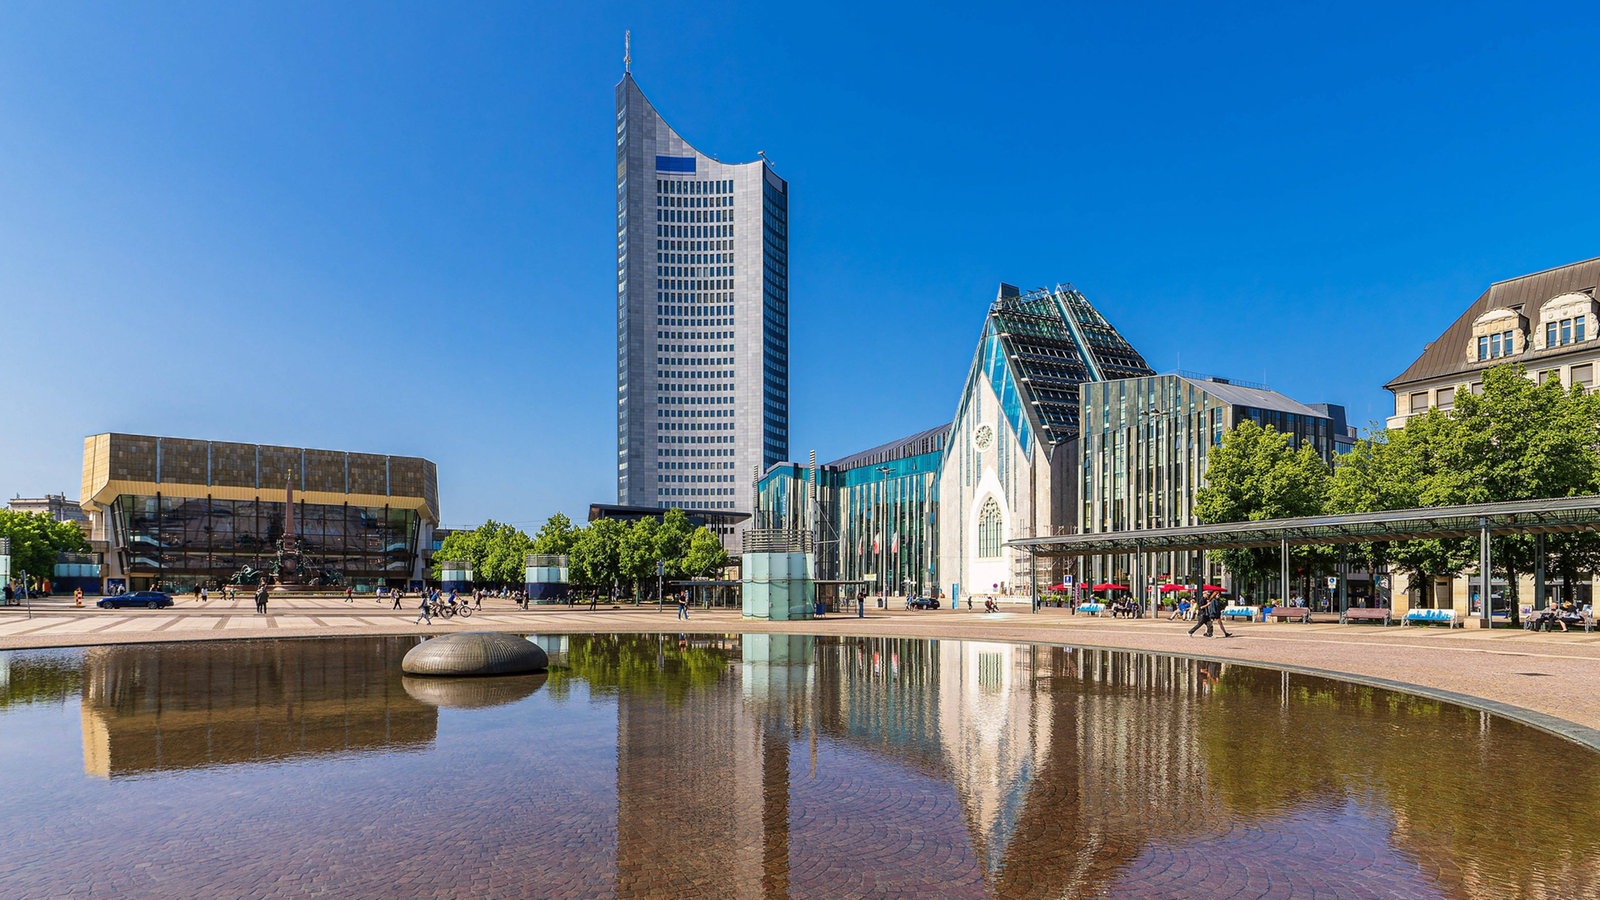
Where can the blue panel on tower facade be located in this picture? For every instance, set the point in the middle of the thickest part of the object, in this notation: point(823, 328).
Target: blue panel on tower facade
point(683, 164)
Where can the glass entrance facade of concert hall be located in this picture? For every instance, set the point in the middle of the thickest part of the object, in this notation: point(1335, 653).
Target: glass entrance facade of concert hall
point(177, 513)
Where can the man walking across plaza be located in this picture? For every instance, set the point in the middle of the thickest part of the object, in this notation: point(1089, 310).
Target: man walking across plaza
point(683, 606)
point(398, 595)
point(423, 618)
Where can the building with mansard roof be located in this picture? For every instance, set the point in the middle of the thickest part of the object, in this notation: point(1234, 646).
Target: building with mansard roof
point(1546, 321)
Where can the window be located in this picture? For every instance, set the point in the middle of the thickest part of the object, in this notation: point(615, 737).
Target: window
point(989, 530)
point(1447, 397)
point(1549, 334)
point(1419, 401)
point(1483, 347)
point(1583, 374)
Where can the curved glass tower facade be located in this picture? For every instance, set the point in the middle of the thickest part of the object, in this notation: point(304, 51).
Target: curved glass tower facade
point(702, 317)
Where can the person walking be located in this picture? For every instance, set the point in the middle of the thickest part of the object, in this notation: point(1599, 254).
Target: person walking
point(1202, 618)
point(349, 594)
point(398, 595)
point(683, 606)
point(423, 618)
point(1216, 613)
point(261, 599)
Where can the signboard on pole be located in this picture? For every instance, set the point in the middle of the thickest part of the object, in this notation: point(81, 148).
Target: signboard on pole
point(5, 561)
point(1333, 582)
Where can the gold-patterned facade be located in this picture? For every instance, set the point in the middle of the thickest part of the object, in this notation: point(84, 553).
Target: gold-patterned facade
point(178, 512)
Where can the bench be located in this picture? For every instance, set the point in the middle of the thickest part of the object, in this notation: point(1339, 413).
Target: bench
point(1093, 609)
point(1445, 617)
point(1363, 614)
point(1302, 613)
point(1530, 621)
point(1248, 613)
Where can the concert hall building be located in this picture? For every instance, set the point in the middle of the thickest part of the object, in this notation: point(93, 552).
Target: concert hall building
point(175, 513)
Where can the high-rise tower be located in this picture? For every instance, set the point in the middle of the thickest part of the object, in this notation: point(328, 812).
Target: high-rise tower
point(702, 317)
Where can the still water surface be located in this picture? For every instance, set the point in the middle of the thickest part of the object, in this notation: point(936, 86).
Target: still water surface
point(766, 766)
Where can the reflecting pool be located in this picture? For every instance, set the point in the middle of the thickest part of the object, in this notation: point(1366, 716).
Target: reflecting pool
point(766, 765)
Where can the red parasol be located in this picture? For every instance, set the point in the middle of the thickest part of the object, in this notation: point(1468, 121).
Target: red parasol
point(1169, 588)
point(1107, 586)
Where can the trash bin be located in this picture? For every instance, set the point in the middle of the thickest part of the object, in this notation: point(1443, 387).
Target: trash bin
point(821, 609)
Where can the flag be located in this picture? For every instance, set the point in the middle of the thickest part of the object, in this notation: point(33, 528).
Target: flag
point(875, 543)
point(895, 546)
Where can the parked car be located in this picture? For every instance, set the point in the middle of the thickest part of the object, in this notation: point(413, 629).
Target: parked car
point(922, 603)
point(146, 599)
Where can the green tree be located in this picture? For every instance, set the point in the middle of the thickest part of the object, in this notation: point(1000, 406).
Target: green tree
point(1254, 475)
point(555, 536)
point(495, 549)
point(595, 560)
point(36, 538)
point(706, 554)
point(1409, 468)
point(672, 541)
point(1522, 440)
point(637, 556)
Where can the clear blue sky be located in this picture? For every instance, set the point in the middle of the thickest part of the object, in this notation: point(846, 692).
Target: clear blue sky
point(389, 227)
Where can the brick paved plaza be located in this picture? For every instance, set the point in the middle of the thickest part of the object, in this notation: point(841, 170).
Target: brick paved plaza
point(1548, 679)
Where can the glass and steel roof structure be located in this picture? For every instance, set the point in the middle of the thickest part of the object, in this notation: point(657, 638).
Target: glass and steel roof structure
point(1546, 516)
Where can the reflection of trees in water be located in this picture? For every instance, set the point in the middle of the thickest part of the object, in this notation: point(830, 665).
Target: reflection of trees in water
point(39, 677)
point(1497, 806)
point(612, 663)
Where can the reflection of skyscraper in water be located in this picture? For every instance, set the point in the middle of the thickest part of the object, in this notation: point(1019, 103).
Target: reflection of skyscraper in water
point(157, 708)
point(703, 781)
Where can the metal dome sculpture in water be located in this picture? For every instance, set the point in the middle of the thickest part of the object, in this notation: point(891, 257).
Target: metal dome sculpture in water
point(475, 653)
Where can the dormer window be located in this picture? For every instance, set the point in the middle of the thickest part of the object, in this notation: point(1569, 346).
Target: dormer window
point(1566, 331)
point(1494, 346)
point(1567, 319)
point(1497, 334)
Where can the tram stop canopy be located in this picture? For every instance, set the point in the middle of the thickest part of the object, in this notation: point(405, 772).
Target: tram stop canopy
point(1557, 515)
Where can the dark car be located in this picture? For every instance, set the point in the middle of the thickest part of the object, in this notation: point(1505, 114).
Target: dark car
point(922, 603)
point(146, 599)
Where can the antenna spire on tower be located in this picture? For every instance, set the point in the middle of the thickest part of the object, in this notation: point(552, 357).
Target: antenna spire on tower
point(627, 52)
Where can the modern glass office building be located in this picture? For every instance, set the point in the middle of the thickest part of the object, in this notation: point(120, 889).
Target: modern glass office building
point(702, 317)
point(876, 513)
point(1145, 443)
point(178, 513)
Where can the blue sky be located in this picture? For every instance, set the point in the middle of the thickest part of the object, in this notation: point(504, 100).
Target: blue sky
point(389, 227)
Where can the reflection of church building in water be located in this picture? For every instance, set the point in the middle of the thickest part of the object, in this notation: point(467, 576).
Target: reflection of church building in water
point(157, 708)
point(1065, 764)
